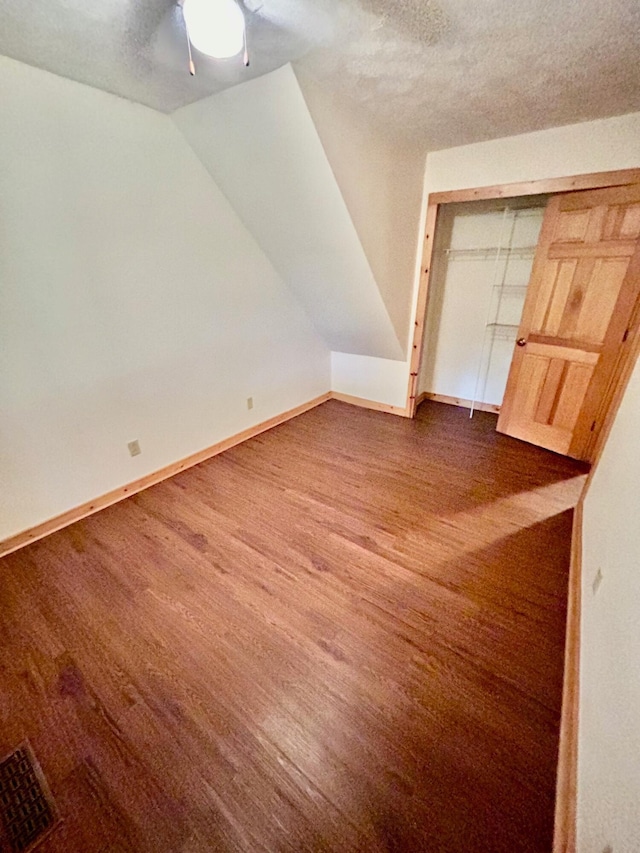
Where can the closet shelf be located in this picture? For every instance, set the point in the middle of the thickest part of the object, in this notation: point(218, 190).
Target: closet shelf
point(488, 252)
point(503, 331)
point(511, 291)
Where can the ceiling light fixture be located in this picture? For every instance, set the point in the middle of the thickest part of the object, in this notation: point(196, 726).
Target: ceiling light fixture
point(216, 28)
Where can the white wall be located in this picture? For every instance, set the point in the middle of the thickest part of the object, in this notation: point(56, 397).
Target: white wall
point(592, 146)
point(380, 179)
point(133, 302)
point(260, 144)
point(609, 750)
point(380, 379)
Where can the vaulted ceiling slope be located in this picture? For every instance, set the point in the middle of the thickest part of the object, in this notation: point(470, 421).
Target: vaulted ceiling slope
point(381, 182)
point(261, 147)
point(438, 72)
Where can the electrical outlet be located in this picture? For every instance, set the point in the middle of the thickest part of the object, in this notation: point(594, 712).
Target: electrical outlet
point(595, 586)
point(249, 402)
point(134, 448)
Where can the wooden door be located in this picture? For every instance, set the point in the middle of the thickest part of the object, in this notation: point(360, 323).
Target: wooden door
point(584, 287)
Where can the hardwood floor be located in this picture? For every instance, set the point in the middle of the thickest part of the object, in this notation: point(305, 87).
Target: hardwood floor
point(344, 635)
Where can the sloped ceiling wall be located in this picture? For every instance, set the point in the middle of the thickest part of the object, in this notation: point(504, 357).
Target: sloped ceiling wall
point(260, 144)
point(381, 179)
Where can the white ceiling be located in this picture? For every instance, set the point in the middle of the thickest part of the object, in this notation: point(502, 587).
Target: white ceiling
point(440, 72)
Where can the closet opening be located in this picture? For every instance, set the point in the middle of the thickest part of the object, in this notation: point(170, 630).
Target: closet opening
point(529, 306)
point(480, 273)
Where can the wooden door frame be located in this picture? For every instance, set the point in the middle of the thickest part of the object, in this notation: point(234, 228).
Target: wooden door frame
point(547, 186)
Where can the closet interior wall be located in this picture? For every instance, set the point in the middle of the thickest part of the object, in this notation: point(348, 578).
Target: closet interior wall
point(482, 264)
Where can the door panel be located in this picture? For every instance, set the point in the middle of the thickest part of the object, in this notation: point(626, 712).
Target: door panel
point(548, 399)
point(584, 286)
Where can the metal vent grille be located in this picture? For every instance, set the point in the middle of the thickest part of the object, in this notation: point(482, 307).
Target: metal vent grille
point(27, 810)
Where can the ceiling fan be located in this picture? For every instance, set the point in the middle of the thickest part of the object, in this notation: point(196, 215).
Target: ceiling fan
point(216, 28)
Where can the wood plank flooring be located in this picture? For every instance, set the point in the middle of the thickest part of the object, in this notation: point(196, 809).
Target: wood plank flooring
point(344, 635)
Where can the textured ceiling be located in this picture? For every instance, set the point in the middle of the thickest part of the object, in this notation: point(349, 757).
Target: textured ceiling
point(440, 72)
point(133, 48)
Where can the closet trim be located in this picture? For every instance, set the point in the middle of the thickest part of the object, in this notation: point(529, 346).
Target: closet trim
point(546, 186)
point(591, 181)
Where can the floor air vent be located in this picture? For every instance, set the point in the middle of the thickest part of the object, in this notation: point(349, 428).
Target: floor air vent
point(27, 810)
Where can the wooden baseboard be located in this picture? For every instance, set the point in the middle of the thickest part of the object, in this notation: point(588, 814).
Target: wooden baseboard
point(457, 401)
point(32, 534)
point(370, 404)
point(564, 836)
point(85, 509)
